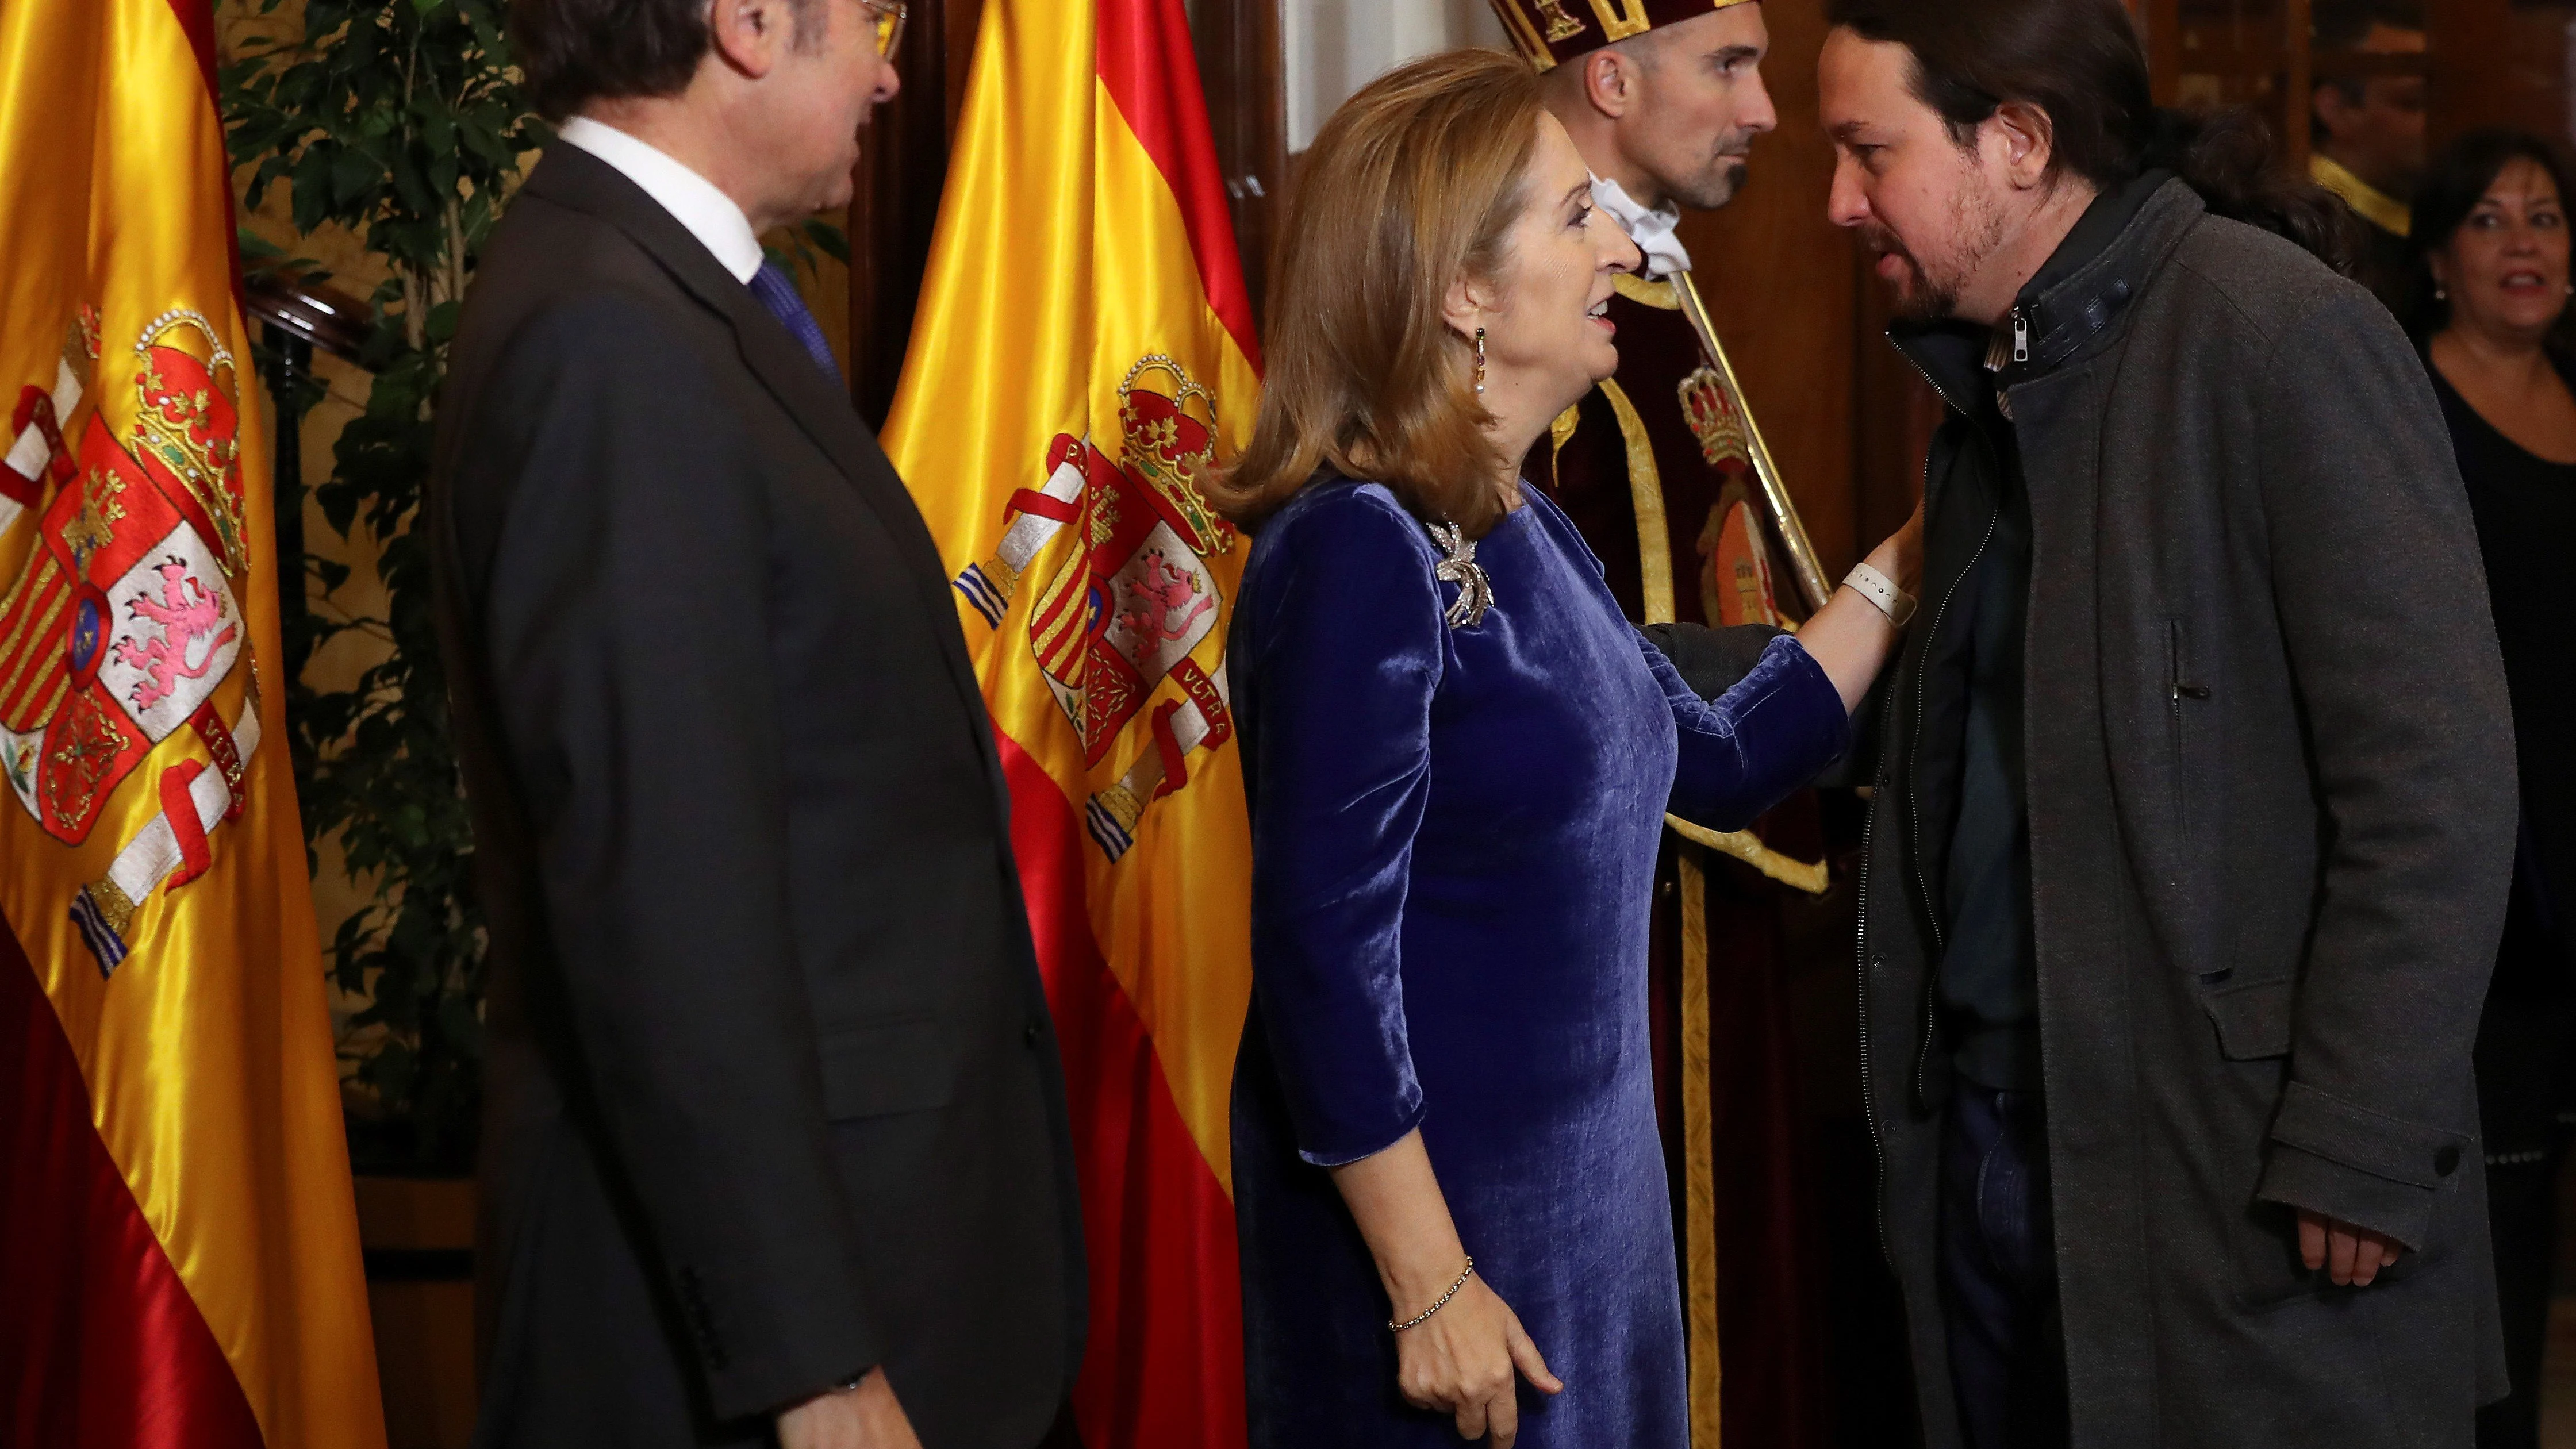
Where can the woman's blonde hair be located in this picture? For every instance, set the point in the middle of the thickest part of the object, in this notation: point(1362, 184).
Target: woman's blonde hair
point(1413, 183)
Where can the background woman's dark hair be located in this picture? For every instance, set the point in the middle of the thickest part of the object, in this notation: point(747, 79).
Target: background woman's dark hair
point(2451, 189)
point(573, 52)
point(2080, 61)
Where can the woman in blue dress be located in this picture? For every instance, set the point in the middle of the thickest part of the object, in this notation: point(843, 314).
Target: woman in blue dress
point(1460, 757)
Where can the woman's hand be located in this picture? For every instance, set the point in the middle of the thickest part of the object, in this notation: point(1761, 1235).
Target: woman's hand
point(1900, 556)
point(1466, 1361)
point(1463, 1359)
point(1850, 638)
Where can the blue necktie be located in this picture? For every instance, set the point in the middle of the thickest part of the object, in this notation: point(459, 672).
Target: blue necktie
point(778, 293)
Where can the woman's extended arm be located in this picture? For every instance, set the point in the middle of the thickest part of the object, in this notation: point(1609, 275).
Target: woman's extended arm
point(1849, 637)
point(1463, 1358)
point(1791, 717)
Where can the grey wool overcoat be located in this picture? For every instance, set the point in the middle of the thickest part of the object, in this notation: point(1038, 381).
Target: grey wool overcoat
point(2271, 787)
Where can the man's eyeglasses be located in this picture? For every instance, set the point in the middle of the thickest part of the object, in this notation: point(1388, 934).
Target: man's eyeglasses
point(890, 16)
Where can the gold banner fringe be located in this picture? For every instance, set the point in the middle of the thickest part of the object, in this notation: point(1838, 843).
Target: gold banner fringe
point(1746, 846)
point(1699, 1166)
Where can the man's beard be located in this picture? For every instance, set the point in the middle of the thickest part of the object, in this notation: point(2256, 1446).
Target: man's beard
point(1714, 187)
point(1715, 183)
point(1929, 295)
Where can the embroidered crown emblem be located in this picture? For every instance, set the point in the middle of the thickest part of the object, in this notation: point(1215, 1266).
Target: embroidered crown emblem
point(1715, 418)
point(1560, 26)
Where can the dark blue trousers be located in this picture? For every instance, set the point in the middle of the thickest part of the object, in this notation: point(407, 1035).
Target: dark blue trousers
point(1999, 1272)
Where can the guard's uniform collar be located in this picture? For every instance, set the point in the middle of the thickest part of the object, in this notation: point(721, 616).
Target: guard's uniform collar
point(1654, 231)
point(2368, 202)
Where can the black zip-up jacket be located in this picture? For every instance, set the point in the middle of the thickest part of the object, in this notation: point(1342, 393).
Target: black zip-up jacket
point(1967, 816)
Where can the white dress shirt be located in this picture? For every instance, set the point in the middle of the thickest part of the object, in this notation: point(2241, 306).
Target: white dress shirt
point(1652, 231)
point(693, 200)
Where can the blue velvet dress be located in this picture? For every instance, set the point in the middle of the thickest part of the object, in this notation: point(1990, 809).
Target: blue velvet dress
point(1454, 837)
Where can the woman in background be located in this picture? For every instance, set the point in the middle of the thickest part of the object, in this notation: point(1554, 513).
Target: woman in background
point(1459, 758)
point(2491, 259)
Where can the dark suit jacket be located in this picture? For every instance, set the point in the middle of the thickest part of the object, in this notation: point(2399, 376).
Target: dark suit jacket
point(773, 1093)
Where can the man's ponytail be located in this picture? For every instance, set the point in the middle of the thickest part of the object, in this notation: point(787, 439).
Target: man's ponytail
point(2229, 157)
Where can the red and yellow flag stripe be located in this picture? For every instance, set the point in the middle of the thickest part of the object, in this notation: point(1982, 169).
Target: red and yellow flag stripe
point(1085, 347)
point(178, 1247)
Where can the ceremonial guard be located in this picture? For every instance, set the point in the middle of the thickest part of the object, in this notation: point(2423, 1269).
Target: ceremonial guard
point(1666, 476)
point(2367, 125)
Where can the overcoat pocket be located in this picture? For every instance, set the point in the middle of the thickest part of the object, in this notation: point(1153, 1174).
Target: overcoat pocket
point(2253, 1020)
point(2252, 1024)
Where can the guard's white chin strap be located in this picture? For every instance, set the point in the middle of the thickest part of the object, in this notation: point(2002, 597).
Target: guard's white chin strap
point(1655, 232)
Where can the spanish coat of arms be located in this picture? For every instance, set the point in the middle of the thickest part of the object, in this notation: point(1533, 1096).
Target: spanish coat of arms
point(123, 621)
point(1133, 600)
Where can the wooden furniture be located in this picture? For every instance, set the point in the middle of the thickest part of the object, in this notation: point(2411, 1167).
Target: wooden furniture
point(2489, 62)
point(419, 1240)
point(2209, 53)
point(1243, 65)
point(903, 166)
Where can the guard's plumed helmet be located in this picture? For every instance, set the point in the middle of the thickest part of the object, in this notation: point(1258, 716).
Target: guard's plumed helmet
point(1552, 31)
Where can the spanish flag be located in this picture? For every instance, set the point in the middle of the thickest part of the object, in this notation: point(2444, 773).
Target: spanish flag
point(1084, 351)
point(178, 1248)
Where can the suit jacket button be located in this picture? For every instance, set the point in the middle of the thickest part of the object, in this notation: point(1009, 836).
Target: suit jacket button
point(1033, 1032)
point(2447, 1161)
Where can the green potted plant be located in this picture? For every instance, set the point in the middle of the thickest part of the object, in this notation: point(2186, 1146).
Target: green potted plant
point(401, 121)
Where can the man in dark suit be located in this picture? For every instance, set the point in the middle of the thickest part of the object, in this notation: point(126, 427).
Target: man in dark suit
point(777, 1139)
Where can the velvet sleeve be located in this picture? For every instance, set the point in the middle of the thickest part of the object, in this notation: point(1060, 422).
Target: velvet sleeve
point(1743, 752)
point(1712, 660)
point(1347, 646)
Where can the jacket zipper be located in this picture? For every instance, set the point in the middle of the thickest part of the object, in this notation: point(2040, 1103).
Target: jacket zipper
point(2173, 675)
point(1868, 1086)
point(1868, 855)
point(1869, 830)
point(2179, 689)
point(1914, 770)
point(1914, 803)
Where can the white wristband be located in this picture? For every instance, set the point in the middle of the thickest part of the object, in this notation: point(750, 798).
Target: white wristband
point(1882, 591)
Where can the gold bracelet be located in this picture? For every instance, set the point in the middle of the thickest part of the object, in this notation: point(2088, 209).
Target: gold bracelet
point(1419, 1319)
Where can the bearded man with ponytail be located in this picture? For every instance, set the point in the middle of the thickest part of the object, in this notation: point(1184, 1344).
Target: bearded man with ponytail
point(2195, 787)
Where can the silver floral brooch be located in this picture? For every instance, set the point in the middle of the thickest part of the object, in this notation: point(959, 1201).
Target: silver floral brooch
point(1475, 591)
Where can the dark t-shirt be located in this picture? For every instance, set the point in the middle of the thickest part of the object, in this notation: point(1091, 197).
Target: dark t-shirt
point(1989, 970)
point(2526, 513)
point(2382, 265)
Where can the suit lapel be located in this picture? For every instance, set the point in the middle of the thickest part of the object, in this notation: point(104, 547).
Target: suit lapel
point(571, 177)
